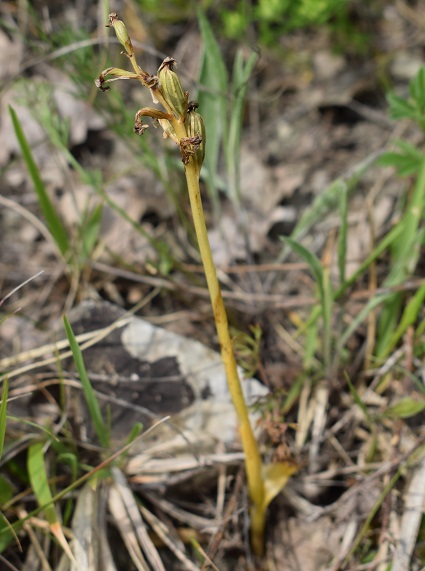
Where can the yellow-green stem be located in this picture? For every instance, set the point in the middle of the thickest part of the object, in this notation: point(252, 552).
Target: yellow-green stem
point(253, 462)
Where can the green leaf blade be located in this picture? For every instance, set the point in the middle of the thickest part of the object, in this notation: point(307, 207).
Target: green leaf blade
point(325, 291)
point(39, 481)
point(53, 220)
point(212, 102)
point(89, 394)
point(405, 408)
point(40, 485)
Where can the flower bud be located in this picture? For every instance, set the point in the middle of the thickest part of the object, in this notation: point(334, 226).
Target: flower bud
point(171, 88)
point(195, 130)
point(121, 33)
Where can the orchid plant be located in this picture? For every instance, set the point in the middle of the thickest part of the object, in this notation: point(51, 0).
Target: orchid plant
point(184, 125)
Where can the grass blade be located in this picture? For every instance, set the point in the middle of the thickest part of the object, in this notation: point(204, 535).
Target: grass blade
point(8, 533)
point(212, 103)
point(240, 77)
point(360, 317)
point(34, 425)
point(410, 315)
point(53, 220)
point(405, 255)
point(357, 398)
point(3, 407)
point(374, 255)
point(5, 531)
point(90, 231)
point(342, 240)
point(325, 292)
point(89, 394)
point(326, 202)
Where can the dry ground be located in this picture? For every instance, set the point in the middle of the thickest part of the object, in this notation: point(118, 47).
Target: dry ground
point(315, 111)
